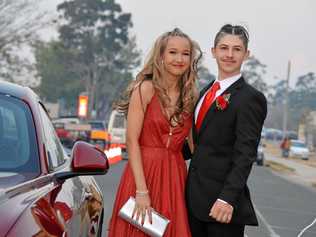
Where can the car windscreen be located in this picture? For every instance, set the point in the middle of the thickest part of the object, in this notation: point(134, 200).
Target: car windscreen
point(298, 144)
point(97, 125)
point(18, 144)
point(119, 121)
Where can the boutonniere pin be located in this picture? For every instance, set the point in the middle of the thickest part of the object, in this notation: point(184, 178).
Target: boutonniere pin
point(222, 101)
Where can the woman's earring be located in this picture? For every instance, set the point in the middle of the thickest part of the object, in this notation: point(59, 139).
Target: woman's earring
point(161, 62)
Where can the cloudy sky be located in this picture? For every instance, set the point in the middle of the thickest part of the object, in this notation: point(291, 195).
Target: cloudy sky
point(280, 30)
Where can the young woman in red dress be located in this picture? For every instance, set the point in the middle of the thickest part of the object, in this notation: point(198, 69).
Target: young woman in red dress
point(159, 109)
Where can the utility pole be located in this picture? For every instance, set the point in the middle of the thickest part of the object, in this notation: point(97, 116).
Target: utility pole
point(286, 100)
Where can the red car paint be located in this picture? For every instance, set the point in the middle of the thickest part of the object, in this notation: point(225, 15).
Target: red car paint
point(64, 201)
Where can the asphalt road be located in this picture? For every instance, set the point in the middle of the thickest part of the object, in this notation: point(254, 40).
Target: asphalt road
point(283, 208)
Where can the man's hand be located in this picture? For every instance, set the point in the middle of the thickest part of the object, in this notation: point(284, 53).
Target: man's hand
point(222, 212)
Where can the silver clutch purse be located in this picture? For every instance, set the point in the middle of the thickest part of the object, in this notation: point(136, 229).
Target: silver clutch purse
point(159, 222)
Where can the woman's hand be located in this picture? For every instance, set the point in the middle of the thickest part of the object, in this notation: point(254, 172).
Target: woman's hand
point(142, 207)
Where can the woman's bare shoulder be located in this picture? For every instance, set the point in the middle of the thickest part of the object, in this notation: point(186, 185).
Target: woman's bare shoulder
point(147, 90)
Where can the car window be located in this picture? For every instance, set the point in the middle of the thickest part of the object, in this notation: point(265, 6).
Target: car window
point(97, 125)
point(18, 144)
point(55, 152)
point(298, 144)
point(119, 121)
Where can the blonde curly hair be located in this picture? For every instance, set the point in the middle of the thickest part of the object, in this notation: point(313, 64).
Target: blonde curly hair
point(153, 70)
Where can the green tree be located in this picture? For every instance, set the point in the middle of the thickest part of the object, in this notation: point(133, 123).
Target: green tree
point(304, 93)
point(279, 91)
point(205, 77)
point(117, 79)
point(302, 99)
point(57, 81)
point(254, 72)
point(19, 22)
point(97, 32)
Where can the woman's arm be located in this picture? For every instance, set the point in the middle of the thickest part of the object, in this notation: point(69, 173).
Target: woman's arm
point(188, 147)
point(190, 141)
point(138, 103)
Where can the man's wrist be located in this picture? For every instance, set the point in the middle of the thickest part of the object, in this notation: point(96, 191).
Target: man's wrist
point(222, 201)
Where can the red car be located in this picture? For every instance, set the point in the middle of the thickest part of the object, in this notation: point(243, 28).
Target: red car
point(43, 191)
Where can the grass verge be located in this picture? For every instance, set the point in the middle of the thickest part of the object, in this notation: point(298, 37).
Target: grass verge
point(279, 167)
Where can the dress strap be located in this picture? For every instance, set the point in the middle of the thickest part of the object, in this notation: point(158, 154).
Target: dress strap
point(147, 77)
point(141, 97)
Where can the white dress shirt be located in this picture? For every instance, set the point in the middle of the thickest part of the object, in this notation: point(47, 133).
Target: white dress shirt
point(224, 84)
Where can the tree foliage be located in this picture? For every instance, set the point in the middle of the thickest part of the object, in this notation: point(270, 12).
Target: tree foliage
point(205, 77)
point(97, 30)
point(301, 100)
point(97, 52)
point(117, 78)
point(279, 92)
point(254, 72)
point(19, 22)
point(57, 81)
point(304, 93)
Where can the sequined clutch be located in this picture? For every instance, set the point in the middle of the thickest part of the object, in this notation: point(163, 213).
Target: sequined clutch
point(159, 222)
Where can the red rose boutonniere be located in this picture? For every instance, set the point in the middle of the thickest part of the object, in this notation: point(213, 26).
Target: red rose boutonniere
point(222, 102)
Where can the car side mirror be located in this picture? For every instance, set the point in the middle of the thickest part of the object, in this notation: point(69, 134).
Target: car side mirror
point(86, 159)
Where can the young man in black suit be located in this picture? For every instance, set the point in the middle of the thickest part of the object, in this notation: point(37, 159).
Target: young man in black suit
point(227, 125)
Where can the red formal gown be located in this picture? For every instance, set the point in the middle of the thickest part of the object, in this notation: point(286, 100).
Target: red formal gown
point(165, 173)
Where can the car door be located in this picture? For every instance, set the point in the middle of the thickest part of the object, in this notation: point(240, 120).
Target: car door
point(70, 201)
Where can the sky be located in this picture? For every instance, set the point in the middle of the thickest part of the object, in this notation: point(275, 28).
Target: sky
point(279, 30)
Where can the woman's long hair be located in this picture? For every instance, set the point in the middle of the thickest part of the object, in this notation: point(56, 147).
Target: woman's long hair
point(153, 70)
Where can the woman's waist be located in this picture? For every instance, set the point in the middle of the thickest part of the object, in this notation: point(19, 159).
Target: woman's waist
point(157, 148)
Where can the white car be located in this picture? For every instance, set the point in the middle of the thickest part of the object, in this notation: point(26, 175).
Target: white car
point(260, 153)
point(299, 149)
point(117, 129)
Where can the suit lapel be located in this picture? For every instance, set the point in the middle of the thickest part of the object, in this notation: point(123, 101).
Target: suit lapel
point(232, 90)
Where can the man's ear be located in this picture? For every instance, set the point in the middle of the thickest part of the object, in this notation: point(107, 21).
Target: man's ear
point(213, 52)
point(247, 55)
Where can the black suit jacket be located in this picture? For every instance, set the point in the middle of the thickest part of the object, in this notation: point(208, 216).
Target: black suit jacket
point(225, 149)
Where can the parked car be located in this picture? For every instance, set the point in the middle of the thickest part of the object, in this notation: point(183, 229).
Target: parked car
point(67, 119)
point(299, 149)
point(291, 135)
point(117, 129)
point(43, 191)
point(97, 124)
point(273, 134)
point(66, 138)
point(99, 135)
point(260, 154)
point(263, 133)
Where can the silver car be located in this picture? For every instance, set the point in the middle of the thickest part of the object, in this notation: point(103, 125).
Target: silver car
point(299, 149)
point(260, 154)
